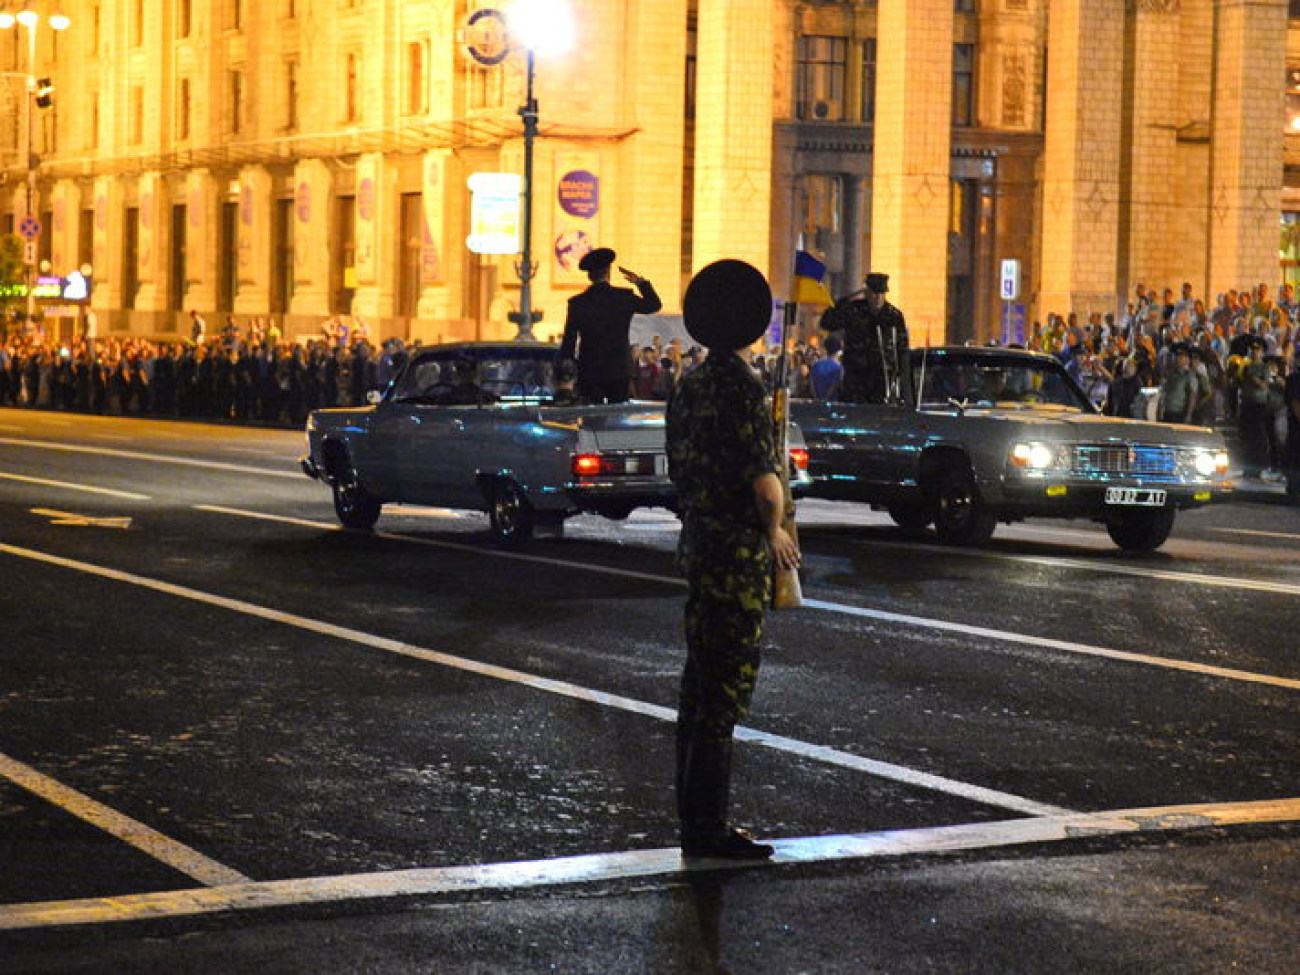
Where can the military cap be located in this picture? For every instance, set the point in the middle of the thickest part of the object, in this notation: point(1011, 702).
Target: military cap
point(600, 258)
point(877, 282)
point(727, 305)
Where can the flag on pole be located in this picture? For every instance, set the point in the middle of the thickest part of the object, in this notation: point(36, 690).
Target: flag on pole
point(808, 276)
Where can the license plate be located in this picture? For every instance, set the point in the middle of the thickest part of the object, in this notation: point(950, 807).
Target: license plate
point(1144, 497)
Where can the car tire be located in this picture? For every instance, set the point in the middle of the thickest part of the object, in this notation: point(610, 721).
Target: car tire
point(510, 514)
point(960, 514)
point(1141, 531)
point(909, 516)
point(356, 507)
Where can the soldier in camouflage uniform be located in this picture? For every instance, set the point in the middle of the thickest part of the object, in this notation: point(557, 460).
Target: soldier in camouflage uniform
point(721, 457)
point(876, 365)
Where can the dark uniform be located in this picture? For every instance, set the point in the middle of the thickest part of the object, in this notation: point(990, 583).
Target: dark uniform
point(876, 362)
point(597, 327)
point(720, 440)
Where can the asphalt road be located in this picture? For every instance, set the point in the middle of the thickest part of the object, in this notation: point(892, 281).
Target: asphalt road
point(236, 738)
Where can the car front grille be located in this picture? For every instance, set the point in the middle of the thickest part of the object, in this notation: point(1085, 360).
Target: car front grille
point(1124, 459)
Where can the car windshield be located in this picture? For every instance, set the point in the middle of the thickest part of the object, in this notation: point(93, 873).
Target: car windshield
point(505, 375)
point(953, 379)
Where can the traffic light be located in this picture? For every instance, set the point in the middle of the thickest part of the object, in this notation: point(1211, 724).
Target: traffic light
point(44, 93)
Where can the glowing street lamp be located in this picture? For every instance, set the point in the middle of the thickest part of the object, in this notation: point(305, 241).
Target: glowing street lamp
point(542, 27)
point(42, 94)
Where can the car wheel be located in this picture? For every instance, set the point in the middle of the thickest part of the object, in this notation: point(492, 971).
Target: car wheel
point(510, 514)
point(910, 517)
point(1141, 531)
point(356, 507)
point(960, 515)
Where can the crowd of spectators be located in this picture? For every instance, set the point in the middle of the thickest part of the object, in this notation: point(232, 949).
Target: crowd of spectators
point(1169, 358)
point(247, 373)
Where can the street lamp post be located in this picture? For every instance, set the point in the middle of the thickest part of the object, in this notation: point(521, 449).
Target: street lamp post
point(540, 27)
point(30, 20)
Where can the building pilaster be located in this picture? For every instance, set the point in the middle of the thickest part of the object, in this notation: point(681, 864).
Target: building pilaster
point(911, 162)
point(1247, 142)
point(1079, 231)
point(254, 236)
point(733, 132)
point(313, 193)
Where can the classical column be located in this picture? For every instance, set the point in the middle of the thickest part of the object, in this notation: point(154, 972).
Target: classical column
point(154, 235)
point(376, 229)
point(107, 248)
point(1247, 137)
point(733, 131)
point(65, 204)
point(1079, 231)
point(912, 146)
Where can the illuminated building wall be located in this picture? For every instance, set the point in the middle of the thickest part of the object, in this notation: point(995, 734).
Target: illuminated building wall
point(305, 158)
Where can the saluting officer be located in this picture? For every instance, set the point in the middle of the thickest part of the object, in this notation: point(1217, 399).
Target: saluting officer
point(597, 327)
point(722, 460)
point(876, 362)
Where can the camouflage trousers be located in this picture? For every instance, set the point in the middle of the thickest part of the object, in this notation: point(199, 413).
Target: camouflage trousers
point(724, 621)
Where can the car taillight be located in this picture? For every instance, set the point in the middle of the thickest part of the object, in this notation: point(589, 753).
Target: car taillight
point(799, 457)
point(590, 465)
point(586, 464)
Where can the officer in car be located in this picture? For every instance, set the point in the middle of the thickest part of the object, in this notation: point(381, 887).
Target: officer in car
point(876, 361)
point(722, 460)
point(597, 327)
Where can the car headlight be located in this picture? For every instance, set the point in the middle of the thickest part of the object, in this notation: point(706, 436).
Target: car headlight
point(1033, 456)
point(1210, 462)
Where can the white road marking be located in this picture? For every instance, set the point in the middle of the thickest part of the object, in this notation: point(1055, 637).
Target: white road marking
point(68, 485)
point(81, 521)
point(907, 776)
point(111, 436)
point(130, 831)
point(156, 458)
point(603, 867)
point(1006, 636)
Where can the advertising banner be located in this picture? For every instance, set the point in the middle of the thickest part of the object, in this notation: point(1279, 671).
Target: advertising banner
point(576, 215)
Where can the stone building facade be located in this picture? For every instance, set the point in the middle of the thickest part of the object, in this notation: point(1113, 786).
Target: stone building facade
point(308, 158)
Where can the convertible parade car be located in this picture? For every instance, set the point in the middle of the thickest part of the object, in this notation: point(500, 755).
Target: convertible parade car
point(502, 446)
point(1003, 434)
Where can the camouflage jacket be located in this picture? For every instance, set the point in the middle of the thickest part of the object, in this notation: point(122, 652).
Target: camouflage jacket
point(720, 440)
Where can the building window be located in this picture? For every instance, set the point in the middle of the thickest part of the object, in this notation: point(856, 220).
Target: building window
point(968, 6)
point(86, 238)
point(352, 76)
point(177, 272)
point(236, 85)
point(282, 257)
point(416, 82)
point(135, 132)
point(963, 84)
point(130, 256)
point(823, 64)
point(1294, 9)
point(1293, 100)
point(184, 12)
point(869, 80)
point(485, 87)
point(410, 254)
point(92, 136)
point(137, 24)
point(183, 109)
point(237, 14)
point(291, 94)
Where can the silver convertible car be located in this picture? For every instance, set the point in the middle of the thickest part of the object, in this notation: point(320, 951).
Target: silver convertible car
point(1001, 435)
point(476, 425)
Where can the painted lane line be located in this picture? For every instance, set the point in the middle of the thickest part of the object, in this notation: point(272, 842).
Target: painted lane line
point(83, 521)
point(448, 546)
point(1258, 534)
point(176, 855)
point(69, 486)
point(1191, 578)
point(897, 773)
point(983, 632)
point(604, 867)
point(155, 458)
point(1007, 636)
